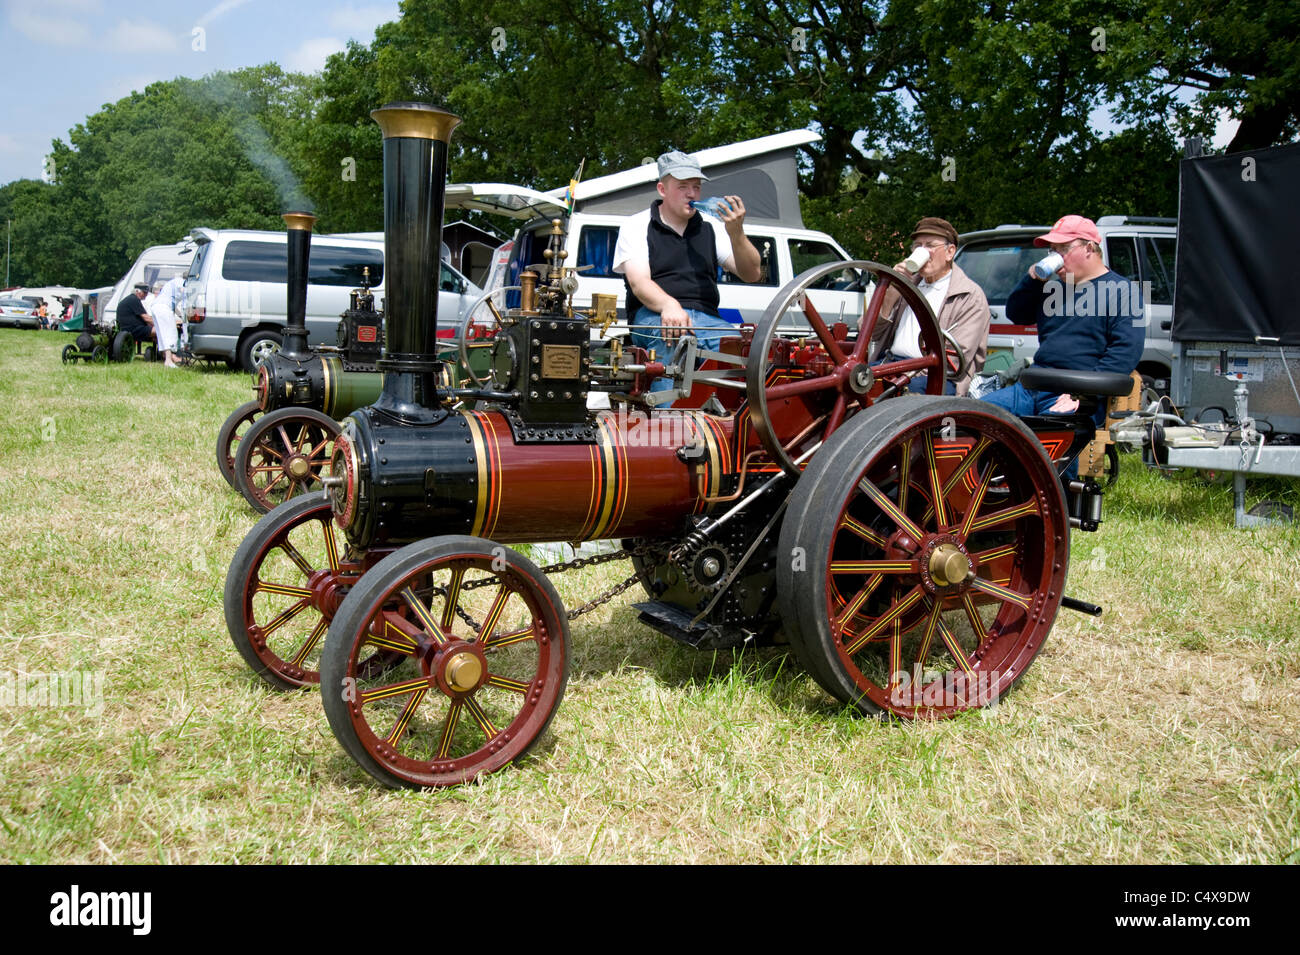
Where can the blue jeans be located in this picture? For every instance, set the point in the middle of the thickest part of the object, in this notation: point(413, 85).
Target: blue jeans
point(1020, 401)
point(708, 330)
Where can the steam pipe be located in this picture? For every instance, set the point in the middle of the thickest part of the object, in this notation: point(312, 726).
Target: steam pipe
point(416, 138)
point(299, 226)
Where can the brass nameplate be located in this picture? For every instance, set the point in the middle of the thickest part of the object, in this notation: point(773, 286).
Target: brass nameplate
point(561, 361)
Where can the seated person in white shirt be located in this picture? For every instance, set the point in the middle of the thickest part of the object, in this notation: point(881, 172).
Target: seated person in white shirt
point(958, 302)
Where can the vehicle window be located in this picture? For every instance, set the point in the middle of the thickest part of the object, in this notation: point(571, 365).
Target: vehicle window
point(1158, 267)
point(153, 274)
point(528, 251)
point(805, 253)
point(196, 264)
point(340, 265)
point(766, 246)
point(998, 269)
point(1122, 256)
point(596, 248)
point(327, 265)
point(450, 281)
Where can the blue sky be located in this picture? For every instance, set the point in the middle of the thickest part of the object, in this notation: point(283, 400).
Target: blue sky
point(64, 59)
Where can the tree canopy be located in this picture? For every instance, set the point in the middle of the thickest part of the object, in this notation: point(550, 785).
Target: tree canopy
point(982, 112)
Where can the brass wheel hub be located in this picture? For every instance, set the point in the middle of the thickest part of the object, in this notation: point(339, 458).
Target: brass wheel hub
point(949, 565)
point(463, 671)
point(299, 467)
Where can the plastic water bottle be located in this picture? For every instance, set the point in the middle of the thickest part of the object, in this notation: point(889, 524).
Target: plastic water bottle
point(713, 206)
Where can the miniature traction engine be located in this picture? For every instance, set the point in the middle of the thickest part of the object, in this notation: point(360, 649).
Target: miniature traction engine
point(911, 550)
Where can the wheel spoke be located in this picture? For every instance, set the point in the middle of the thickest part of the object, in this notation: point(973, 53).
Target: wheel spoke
point(1005, 515)
point(927, 636)
point(331, 545)
point(1002, 593)
point(905, 476)
point(285, 616)
point(407, 712)
point(936, 491)
point(453, 597)
point(976, 501)
point(494, 612)
point(393, 689)
point(505, 683)
point(853, 606)
point(867, 323)
point(823, 333)
point(393, 635)
point(915, 595)
point(875, 567)
point(892, 511)
point(481, 718)
point(284, 590)
point(422, 613)
point(804, 386)
point(861, 530)
point(498, 640)
point(310, 643)
point(837, 416)
point(299, 561)
point(967, 463)
point(449, 728)
point(973, 615)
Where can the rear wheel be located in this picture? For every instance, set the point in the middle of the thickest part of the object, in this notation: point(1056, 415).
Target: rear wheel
point(123, 346)
point(257, 348)
point(229, 435)
point(931, 542)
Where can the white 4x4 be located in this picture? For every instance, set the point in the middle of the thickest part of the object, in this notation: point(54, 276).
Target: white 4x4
point(1140, 249)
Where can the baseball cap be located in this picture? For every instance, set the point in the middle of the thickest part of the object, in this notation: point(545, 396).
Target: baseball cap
point(1070, 227)
point(933, 225)
point(680, 166)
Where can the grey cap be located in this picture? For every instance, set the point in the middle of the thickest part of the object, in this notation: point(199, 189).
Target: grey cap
point(680, 166)
point(142, 286)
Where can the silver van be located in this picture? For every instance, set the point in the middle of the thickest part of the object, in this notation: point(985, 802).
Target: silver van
point(235, 290)
point(1139, 248)
point(158, 263)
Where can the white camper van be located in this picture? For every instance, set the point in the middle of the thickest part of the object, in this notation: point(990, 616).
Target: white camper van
point(156, 264)
point(761, 171)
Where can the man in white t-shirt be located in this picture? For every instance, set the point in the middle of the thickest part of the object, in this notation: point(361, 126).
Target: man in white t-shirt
point(669, 256)
point(959, 304)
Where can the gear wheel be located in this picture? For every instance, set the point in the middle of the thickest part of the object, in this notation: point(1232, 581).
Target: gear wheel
point(707, 565)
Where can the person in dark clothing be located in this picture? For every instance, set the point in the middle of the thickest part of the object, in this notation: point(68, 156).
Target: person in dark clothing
point(133, 317)
point(669, 256)
point(1089, 318)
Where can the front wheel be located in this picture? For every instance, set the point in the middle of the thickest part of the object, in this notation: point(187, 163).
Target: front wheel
point(229, 435)
point(485, 640)
point(70, 354)
point(284, 454)
point(930, 541)
point(257, 348)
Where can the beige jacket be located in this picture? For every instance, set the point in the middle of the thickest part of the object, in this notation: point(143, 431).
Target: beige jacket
point(964, 314)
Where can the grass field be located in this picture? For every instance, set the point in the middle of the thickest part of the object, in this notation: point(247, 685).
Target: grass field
point(1166, 731)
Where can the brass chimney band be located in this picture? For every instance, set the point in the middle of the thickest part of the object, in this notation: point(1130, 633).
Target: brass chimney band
point(415, 121)
point(299, 220)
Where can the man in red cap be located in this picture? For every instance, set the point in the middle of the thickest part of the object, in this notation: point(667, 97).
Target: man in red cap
point(1089, 318)
point(957, 302)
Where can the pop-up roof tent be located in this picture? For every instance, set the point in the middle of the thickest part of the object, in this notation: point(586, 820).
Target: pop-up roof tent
point(764, 171)
point(1237, 241)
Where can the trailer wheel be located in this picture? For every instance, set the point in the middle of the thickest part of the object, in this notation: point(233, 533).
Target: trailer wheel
point(929, 544)
point(285, 582)
point(284, 454)
point(795, 411)
point(485, 640)
point(229, 435)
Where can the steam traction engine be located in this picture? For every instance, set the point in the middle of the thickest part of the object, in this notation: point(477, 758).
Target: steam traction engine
point(911, 550)
point(277, 446)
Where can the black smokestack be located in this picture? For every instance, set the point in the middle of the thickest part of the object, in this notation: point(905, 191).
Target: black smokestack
point(299, 225)
point(416, 136)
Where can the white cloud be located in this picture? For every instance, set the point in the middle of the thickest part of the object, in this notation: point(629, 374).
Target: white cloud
point(51, 23)
point(140, 36)
point(221, 9)
point(310, 55)
point(360, 22)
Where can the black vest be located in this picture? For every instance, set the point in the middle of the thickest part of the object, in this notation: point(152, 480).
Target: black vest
point(684, 266)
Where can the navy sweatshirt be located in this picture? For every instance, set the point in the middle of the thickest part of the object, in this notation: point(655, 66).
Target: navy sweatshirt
point(1098, 325)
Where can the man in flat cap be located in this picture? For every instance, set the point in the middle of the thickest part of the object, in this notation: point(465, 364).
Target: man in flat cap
point(957, 302)
point(669, 256)
point(133, 317)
